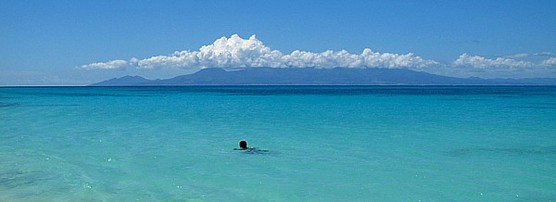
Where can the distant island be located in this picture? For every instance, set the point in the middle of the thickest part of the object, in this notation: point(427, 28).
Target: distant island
point(312, 76)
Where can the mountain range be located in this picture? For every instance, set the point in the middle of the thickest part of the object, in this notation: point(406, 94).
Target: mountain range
point(312, 76)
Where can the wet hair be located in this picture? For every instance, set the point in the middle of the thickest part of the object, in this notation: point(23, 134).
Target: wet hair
point(243, 144)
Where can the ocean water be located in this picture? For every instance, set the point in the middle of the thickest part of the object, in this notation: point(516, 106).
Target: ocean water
point(325, 143)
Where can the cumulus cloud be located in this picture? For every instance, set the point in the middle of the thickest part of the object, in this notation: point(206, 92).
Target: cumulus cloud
point(114, 64)
point(224, 52)
point(482, 62)
point(343, 58)
point(550, 61)
point(236, 52)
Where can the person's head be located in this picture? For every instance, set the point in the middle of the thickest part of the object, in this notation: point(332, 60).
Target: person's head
point(243, 144)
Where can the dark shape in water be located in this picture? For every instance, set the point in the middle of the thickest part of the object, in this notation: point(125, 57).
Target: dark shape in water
point(243, 144)
point(250, 150)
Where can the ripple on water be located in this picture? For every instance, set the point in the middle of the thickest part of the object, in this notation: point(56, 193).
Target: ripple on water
point(538, 105)
point(8, 104)
point(518, 151)
point(15, 178)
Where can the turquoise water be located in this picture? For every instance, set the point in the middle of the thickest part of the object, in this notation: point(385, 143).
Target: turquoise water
point(348, 143)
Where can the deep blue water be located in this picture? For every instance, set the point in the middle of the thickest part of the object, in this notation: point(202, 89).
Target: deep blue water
point(325, 143)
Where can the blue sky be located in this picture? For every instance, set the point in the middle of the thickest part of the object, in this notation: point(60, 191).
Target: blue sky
point(59, 42)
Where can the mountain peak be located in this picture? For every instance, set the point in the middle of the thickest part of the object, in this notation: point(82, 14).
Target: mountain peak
point(124, 81)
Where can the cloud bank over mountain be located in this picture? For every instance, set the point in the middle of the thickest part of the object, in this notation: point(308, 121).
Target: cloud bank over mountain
point(482, 62)
point(236, 52)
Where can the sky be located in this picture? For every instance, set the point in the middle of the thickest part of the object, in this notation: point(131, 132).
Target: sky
point(63, 42)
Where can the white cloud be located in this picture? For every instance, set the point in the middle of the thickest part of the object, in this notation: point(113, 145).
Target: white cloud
point(520, 55)
point(367, 58)
point(236, 52)
point(527, 55)
point(482, 62)
point(114, 64)
point(224, 52)
point(550, 61)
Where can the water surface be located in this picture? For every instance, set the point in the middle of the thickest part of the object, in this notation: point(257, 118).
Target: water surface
point(325, 143)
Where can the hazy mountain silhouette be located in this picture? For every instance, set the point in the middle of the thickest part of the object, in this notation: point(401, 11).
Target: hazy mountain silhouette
point(311, 76)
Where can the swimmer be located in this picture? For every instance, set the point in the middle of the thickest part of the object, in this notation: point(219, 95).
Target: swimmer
point(243, 146)
point(252, 150)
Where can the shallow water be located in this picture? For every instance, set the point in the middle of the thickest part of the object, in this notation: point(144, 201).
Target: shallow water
point(325, 143)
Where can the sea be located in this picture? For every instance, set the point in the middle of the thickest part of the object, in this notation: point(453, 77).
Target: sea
point(311, 143)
